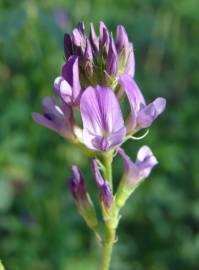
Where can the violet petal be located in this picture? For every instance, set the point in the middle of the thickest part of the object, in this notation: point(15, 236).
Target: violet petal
point(149, 113)
point(102, 118)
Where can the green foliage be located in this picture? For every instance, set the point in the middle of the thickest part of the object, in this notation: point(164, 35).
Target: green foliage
point(39, 225)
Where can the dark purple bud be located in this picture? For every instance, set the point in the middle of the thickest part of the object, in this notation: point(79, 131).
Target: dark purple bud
point(58, 118)
point(112, 60)
point(77, 185)
point(81, 27)
point(105, 190)
point(104, 40)
point(68, 47)
point(94, 39)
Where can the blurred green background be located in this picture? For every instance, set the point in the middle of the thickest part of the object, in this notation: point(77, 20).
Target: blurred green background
point(39, 225)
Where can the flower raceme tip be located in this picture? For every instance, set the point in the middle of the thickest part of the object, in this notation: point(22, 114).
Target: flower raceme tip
point(96, 68)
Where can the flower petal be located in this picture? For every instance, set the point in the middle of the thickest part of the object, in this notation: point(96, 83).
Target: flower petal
point(134, 172)
point(145, 161)
point(70, 72)
point(134, 95)
point(150, 112)
point(101, 115)
point(130, 169)
point(55, 117)
point(44, 121)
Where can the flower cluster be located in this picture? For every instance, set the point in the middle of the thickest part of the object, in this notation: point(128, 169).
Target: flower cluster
point(98, 71)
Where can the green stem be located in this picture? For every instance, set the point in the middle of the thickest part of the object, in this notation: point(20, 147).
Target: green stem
point(107, 248)
point(108, 168)
point(109, 236)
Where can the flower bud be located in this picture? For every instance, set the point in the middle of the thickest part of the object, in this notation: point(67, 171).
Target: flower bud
point(112, 59)
point(94, 40)
point(68, 47)
point(101, 59)
point(105, 190)
point(125, 52)
point(104, 41)
point(88, 60)
point(82, 199)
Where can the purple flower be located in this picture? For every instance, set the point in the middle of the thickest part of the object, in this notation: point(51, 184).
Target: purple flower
point(135, 172)
point(103, 124)
point(55, 117)
point(105, 190)
point(142, 115)
point(77, 186)
point(68, 85)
